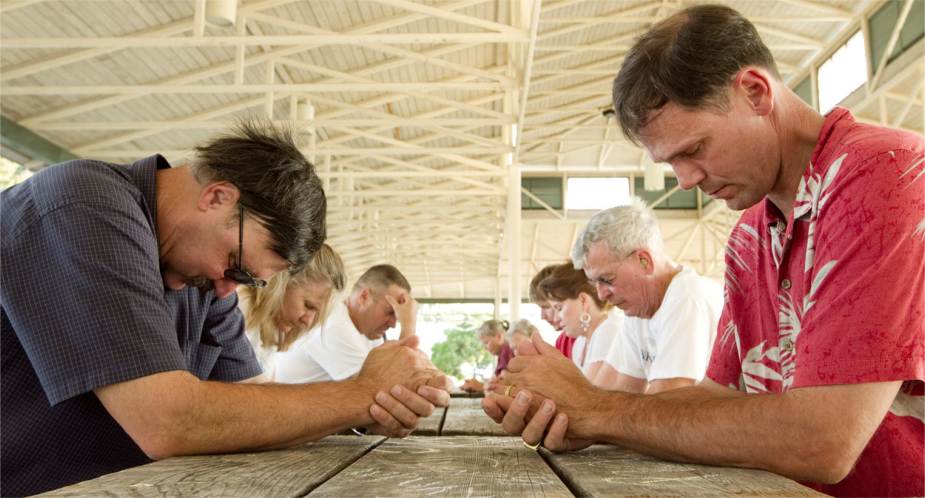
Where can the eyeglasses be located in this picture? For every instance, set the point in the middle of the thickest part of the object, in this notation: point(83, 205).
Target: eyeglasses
point(239, 275)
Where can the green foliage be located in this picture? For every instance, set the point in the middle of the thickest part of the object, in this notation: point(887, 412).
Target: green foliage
point(461, 347)
point(11, 173)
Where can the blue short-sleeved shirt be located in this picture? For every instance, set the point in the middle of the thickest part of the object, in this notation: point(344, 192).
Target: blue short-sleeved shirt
point(83, 305)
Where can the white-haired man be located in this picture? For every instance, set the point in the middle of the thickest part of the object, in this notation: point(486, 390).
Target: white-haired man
point(671, 311)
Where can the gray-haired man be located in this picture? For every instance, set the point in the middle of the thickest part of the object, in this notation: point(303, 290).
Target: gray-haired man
point(671, 311)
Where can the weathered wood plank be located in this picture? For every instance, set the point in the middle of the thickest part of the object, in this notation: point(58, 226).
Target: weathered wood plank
point(457, 466)
point(604, 470)
point(291, 472)
point(465, 417)
point(430, 426)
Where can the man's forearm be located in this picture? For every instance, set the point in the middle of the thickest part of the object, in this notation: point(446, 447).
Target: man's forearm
point(407, 329)
point(803, 435)
point(196, 417)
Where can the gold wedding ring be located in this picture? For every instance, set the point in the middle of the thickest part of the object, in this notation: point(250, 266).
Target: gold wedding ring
point(507, 390)
point(532, 446)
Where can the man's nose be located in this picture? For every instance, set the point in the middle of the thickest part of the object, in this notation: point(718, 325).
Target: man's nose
point(602, 291)
point(689, 175)
point(392, 322)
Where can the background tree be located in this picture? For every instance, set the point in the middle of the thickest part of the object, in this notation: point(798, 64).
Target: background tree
point(11, 173)
point(462, 347)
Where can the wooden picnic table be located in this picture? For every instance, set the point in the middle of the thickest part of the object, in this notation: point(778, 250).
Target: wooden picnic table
point(464, 455)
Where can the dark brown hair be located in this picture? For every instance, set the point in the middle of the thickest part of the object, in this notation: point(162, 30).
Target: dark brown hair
point(278, 185)
point(689, 58)
point(536, 294)
point(566, 282)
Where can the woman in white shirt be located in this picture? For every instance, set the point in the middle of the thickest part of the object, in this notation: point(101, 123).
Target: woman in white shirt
point(584, 317)
point(290, 305)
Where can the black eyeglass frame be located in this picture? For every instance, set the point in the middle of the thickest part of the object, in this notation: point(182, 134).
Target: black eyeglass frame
point(238, 274)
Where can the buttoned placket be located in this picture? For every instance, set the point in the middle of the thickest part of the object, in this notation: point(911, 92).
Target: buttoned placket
point(779, 230)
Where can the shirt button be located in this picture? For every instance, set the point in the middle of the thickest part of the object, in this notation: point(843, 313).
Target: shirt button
point(785, 284)
point(789, 346)
point(781, 226)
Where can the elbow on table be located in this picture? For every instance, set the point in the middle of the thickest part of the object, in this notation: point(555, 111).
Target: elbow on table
point(167, 433)
point(832, 461)
point(159, 448)
point(164, 438)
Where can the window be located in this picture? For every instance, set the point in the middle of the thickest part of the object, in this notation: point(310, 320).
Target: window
point(597, 193)
point(549, 190)
point(842, 73)
point(682, 199)
point(883, 22)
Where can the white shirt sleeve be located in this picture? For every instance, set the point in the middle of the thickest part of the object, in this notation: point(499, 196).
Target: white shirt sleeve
point(684, 341)
point(296, 365)
point(603, 338)
point(630, 361)
point(340, 350)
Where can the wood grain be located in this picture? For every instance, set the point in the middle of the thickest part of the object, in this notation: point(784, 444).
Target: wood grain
point(604, 470)
point(290, 472)
point(464, 394)
point(430, 426)
point(465, 417)
point(447, 467)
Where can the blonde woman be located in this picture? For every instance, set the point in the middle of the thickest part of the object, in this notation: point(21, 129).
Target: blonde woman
point(522, 330)
point(290, 305)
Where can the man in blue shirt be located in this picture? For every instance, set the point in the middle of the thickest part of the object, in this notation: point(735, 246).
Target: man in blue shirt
point(119, 329)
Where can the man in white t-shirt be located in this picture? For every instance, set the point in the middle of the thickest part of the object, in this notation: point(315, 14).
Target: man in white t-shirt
point(672, 312)
point(337, 348)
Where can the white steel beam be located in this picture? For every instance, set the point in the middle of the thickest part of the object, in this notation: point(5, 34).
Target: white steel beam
point(451, 16)
point(278, 40)
point(212, 89)
point(45, 63)
point(527, 72)
point(254, 59)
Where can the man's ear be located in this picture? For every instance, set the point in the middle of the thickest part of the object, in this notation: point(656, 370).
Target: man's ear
point(364, 297)
point(218, 195)
point(646, 261)
point(754, 83)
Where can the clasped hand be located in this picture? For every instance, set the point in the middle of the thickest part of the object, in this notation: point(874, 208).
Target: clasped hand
point(406, 384)
point(540, 374)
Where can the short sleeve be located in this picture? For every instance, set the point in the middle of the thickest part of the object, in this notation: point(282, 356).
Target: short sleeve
point(863, 314)
point(683, 340)
point(82, 290)
point(631, 344)
point(503, 359)
point(725, 367)
point(340, 350)
point(224, 324)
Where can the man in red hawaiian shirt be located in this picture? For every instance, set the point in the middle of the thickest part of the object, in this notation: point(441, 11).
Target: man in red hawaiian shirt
point(818, 367)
